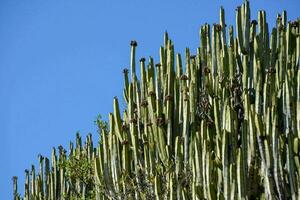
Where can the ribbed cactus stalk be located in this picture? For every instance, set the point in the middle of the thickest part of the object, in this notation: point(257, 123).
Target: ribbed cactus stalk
point(223, 123)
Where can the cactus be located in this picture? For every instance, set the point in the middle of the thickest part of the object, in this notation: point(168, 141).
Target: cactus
point(225, 126)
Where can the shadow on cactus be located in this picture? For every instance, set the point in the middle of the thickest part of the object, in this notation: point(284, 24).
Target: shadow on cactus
point(223, 123)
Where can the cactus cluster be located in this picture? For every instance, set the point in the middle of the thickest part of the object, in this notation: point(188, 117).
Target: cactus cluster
point(223, 123)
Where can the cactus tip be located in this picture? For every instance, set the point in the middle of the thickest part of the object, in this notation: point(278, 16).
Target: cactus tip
point(184, 77)
point(157, 65)
point(125, 71)
point(133, 43)
point(193, 56)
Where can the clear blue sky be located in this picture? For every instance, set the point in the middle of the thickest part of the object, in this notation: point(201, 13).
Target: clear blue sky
point(61, 64)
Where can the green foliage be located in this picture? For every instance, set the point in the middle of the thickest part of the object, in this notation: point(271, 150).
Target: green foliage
point(80, 169)
point(101, 124)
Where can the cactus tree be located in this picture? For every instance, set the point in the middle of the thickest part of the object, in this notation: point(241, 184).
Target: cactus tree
point(223, 123)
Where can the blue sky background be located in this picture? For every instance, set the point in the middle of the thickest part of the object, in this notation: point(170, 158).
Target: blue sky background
point(61, 64)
